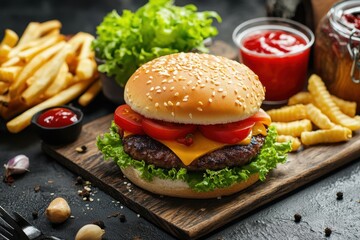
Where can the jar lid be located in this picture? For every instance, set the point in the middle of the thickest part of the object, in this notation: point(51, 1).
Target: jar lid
point(338, 17)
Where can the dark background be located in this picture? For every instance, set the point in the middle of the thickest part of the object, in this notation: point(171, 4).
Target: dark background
point(316, 202)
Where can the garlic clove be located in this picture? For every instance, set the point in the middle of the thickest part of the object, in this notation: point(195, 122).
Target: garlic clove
point(90, 232)
point(17, 165)
point(58, 210)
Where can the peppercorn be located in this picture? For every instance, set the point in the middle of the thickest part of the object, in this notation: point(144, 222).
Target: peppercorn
point(79, 180)
point(327, 232)
point(35, 214)
point(122, 218)
point(297, 217)
point(339, 196)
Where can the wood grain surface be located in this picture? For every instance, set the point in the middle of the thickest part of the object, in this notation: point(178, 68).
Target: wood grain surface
point(190, 219)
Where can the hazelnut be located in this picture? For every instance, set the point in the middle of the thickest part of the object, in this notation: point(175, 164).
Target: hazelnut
point(90, 232)
point(58, 210)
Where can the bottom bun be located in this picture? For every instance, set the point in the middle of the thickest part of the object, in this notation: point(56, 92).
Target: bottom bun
point(178, 188)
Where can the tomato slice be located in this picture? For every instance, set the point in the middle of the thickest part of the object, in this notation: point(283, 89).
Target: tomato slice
point(260, 116)
point(128, 120)
point(166, 130)
point(230, 133)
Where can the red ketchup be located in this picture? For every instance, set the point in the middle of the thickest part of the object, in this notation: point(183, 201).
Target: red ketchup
point(57, 117)
point(280, 59)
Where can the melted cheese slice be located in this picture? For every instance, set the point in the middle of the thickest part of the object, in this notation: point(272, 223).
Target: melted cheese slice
point(202, 145)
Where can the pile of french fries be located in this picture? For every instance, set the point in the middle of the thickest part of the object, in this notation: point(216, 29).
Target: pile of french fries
point(44, 68)
point(315, 117)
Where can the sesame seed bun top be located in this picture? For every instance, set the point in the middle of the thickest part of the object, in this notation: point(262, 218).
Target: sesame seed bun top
point(194, 88)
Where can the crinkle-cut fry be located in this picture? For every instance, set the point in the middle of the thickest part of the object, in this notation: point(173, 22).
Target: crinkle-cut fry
point(59, 83)
point(294, 128)
point(300, 98)
point(322, 99)
point(90, 94)
point(318, 118)
point(295, 142)
point(8, 74)
point(347, 107)
point(10, 38)
point(288, 113)
point(20, 83)
point(45, 75)
point(23, 120)
point(29, 53)
point(336, 134)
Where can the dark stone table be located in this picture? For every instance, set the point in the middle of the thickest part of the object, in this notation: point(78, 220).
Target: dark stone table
point(316, 202)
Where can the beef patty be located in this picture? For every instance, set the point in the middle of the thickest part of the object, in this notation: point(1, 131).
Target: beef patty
point(142, 147)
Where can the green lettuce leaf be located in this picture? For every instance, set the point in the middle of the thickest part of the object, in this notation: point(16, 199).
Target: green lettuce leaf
point(271, 154)
point(158, 28)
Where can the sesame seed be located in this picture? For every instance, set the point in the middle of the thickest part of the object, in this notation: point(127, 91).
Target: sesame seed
point(199, 109)
point(173, 114)
point(165, 104)
point(177, 103)
point(170, 103)
point(176, 94)
point(201, 103)
point(172, 88)
point(220, 90)
point(190, 115)
point(164, 81)
point(157, 105)
point(164, 88)
point(158, 91)
point(148, 82)
point(210, 100)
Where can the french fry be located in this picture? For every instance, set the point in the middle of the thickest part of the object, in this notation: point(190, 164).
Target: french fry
point(300, 98)
point(77, 40)
point(347, 107)
point(288, 113)
point(324, 102)
point(4, 52)
point(336, 134)
point(15, 61)
point(10, 39)
point(86, 66)
point(31, 32)
point(23, 120)
point(294, 128)
point(59, 83)
point(19, 85)
point(90, 94)
point(318, 118)
point(44, 75)
point(8, 74)
point(29, 53)
point(295, 142)
point(4, 88)
point(48, 26)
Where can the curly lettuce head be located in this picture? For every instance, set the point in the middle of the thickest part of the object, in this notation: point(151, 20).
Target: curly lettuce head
point(158, 28)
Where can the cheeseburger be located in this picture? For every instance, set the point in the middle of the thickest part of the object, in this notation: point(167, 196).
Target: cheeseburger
point(192, 127)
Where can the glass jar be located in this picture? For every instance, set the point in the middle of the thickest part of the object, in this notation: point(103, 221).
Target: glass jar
point(337, 49)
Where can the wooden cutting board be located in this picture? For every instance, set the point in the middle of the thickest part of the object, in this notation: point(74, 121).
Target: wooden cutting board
point(187, 219)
